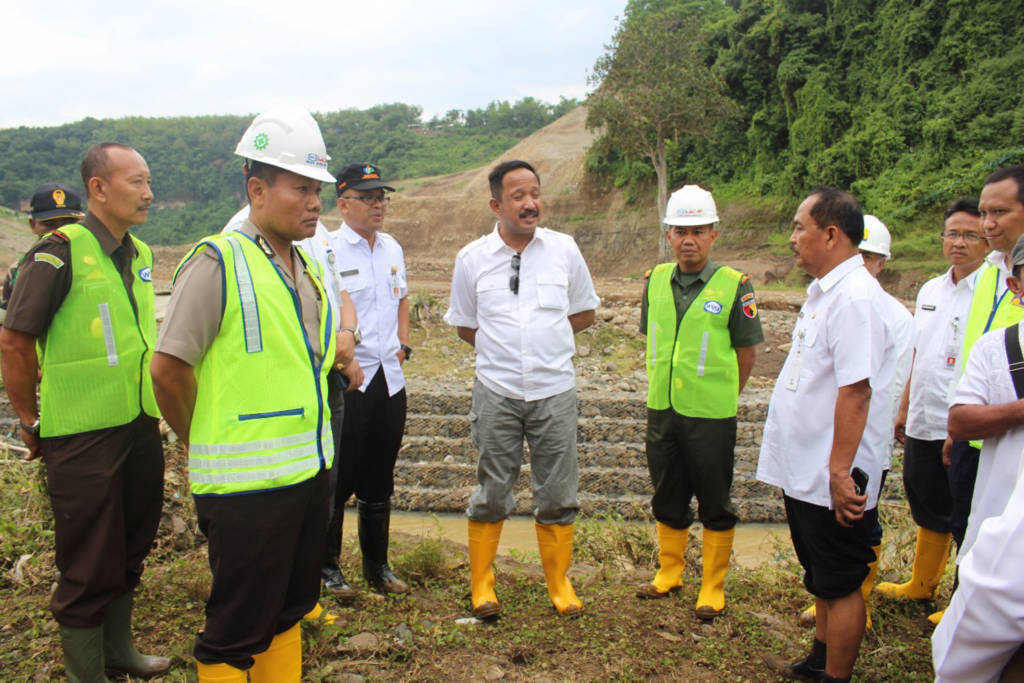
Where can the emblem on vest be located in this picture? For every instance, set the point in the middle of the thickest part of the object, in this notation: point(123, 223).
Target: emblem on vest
point(146, 274)
point(713, 307)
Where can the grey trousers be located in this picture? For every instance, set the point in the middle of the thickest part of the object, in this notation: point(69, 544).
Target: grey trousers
point(498, 426)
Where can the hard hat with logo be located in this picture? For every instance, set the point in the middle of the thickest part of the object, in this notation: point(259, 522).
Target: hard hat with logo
point(876, 237)
point(289, 138)
point(691, 205)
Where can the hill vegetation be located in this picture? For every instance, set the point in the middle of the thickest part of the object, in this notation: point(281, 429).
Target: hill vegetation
point(907, 103)
point(197, 179)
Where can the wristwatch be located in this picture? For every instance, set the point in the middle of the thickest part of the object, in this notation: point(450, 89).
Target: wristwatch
point(356, 334)
point(32, 429)
point(408, 351)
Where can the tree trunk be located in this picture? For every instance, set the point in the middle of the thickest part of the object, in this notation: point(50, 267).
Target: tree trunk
point(661, 171)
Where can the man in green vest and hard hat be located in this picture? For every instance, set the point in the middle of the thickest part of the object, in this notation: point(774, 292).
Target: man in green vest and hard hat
point(83, 300)
point(241, 373)
point(702, 332)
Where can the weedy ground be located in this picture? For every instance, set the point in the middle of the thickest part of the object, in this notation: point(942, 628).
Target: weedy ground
point(418, 637)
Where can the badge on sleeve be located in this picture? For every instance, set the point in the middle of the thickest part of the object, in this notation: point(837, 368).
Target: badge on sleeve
point(146, 274)
point(42, 257)
point(749, 305)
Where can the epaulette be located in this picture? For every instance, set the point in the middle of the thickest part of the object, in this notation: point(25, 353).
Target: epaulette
point(647, 275)
point(58, 234)
point(744, 279)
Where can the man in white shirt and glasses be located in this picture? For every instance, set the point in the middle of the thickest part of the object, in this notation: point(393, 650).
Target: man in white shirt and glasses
point(519, 294)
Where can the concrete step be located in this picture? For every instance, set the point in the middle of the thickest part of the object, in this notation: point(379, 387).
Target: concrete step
point(753, 405)
point(590, 429)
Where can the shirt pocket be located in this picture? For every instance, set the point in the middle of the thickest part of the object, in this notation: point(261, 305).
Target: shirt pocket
point(553, 290)
point(355, 282)
point(493, 294)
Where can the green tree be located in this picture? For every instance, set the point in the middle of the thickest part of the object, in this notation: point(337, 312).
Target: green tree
point(653, 85)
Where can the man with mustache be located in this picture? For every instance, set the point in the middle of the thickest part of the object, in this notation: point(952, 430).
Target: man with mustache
point(518, 296)
point(831, 414)
point(85, 295)
point(940, 317)
point(702, 332)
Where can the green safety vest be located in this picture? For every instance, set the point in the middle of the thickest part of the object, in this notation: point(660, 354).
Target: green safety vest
point(989, 311)
point(692, 367)
point(95, 354)
point(261, 419)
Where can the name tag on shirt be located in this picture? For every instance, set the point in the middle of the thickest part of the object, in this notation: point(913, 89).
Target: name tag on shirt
point(927, 307)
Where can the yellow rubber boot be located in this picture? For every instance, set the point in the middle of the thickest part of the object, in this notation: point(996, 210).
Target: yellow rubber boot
point(282, 661)
point(715, 552)
point(483, 546)
point(929, 562)
point(807, 617)
point(936, 617)
point(868, 585)
point(318, 613)
point(220, 673)
point(671, 561)
point(555, 544)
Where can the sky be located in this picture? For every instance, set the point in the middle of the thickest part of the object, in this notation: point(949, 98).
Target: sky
point(63, 61)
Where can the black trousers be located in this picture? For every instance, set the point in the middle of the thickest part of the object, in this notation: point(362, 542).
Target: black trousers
point(963, 470)
point(927, 484)
point(106, 489)
point(371, 435)
point(265, 550)
point(688, 456)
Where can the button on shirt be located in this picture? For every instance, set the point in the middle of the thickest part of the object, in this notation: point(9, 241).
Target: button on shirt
point(986, 382)
point(376, 283)
point(319, 247)
point(841, 337)
point(524, 341)
point(940, 318)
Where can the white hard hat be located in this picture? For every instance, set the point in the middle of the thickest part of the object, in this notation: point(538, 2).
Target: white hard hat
point(289, 138)
point(876, 237)
point(691, 205)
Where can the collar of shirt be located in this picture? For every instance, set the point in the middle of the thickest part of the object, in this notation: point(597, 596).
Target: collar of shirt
point(835, 276)
point(353, 237)
point(686, 279)
point(495, 243)
point(252, 230)
point(969, 281)
point(106, 239)
point(998, 259)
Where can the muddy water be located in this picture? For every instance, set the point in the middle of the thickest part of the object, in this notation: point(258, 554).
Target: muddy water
point(754, 543)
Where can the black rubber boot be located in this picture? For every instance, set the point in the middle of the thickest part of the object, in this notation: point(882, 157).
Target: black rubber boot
point(330, 571)
point(811, 667)
point(374, 525)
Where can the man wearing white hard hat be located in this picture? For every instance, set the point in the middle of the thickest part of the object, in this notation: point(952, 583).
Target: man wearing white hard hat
point(240, 372)
point(876, 249)
point(702, 332)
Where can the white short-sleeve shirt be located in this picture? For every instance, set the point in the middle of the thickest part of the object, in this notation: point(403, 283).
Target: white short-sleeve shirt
point(318, 247)
point(986, 382)
point(841, 337)
point(902, 324)
point(984, 623)
point(524, 342)
point(376, 283)
point(940, 318)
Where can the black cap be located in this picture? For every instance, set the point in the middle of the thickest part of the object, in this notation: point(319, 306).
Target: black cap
point(360, 177)
point(53, 200)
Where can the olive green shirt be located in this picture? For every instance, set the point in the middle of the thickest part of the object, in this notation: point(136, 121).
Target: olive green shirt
point(744, 323)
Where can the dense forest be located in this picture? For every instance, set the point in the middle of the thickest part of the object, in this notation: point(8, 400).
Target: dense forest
point(909, 103)
point(197, 179)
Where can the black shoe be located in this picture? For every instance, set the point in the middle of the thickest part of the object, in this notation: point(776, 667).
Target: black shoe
point(335, 583)
point(383, 580)
point(802, 670)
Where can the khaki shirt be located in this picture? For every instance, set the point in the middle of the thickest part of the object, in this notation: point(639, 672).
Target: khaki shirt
point(194, 311)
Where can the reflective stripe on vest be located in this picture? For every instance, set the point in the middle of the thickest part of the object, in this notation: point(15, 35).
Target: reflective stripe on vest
point(261, 417)
point(692, 366)
point(96, 346)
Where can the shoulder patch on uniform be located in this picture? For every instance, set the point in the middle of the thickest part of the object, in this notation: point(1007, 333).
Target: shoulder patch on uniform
point(43, 257)
point(749, 296)
point(647, 275)
point(749, 305)
point(146, 274)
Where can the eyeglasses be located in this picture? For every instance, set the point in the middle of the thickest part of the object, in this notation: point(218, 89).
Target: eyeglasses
point(953, 236)
point(369, 201)
point(513, 282)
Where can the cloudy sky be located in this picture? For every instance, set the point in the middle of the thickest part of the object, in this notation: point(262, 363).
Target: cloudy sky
point(62, 61)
